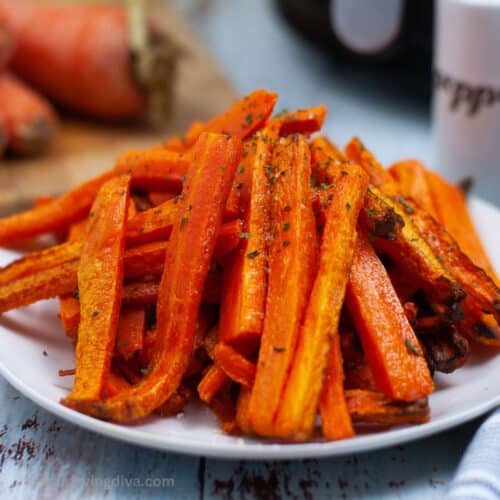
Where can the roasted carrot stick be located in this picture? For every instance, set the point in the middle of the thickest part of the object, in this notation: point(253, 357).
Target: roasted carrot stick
point(115, 383)
point(293, 253)
point(373, 409)
point(303, 121)
point(452, 212)
point(335, 419)
point(242, 407)
point(212, 382)
point(131, 330)
point(390, 345)
point(100, 268)
point(84, 62)
point(235, 365)
point(297, 411)
point(29, 119)
point(192, 241)
point(176, 402)
point(245, 279)
point(241, 120)
point(6, 43)
point(412, 179)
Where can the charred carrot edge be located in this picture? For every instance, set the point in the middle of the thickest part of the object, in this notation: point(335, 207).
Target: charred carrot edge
point(100, 268)
point(297, 411)
point(359, 376)
point(391, 347)
point(115, 384)
point(325, 159)
point(372, 408)
point(241, 120)
point(176, 402)
point(412, 180)
point(158, 198)
point(245, 279)
point(154, 169)
point(293, 254)
point(335, 419)
point(131, 330)
point(452, 212)
point(192, 241)
point(211, 383)
point(236, 366)
point(303, 121)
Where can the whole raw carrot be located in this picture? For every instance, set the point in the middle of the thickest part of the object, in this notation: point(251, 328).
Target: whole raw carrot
point(80, 57)
point(29, 119)
point(101, 268)
point(189, 252)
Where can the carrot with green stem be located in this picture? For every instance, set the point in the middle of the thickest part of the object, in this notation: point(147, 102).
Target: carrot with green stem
point(100, 268)
point(292, 264)
point(192, 241)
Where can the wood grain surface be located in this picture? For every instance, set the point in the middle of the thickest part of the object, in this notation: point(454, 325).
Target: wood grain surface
point(84, 148)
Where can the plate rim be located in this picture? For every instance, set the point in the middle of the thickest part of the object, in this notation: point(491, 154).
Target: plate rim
point(243, 449)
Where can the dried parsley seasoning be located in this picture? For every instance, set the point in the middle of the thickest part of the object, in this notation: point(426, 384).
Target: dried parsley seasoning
point(244, 236)
point(240, 169)
point(286, 226)
point(406, 205)
point(252, 255)
point(184, 221)
point(278, 349)
point(411, 348)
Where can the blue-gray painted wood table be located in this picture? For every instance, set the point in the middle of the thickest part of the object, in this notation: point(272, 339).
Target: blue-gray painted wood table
point(44, 457)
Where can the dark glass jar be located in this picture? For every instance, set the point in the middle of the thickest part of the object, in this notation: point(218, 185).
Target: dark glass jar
point(368, 30)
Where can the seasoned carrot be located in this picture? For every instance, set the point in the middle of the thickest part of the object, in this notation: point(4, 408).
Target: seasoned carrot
point(373, 409)
point(158, 198)
point(154, 169)
point(412, 179)
point(100, 268)
point(115, 383)
point(83, 62)
point(131, 330)
point(211, 383)
point(293, 255)
point(242, 407)
point(359, 376)
point(6, 43)
point(241, 120)
point(390, 345)
point(297, 411)
point(176, 402)
point(187, 261)
point(29, 119)
point(303, 121)
point(235, 365)
point(335, 419)
point(452, 212)
point(245, 279)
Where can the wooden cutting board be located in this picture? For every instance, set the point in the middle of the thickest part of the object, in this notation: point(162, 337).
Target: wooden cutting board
point(84, 148)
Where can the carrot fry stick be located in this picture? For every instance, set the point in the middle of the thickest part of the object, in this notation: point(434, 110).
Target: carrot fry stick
point(242, 407)
point(412, 180)
point(155, 169)
point(245, 279)
point(297, 412)
point(293, 254)
point(373, 409)
point(100, 268)
point(131, 330)
point(175, 403)
point(303, 121)
point(209, 180)
point(241, 120)
point(236, 366)
point(452, 212)
point(212, 382)
point(115, 383)
point(390, 345)
point(335, 419)
point(228, 239)
point(69, 314)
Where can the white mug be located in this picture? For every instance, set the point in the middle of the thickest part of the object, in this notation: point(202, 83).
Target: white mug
point(466, 102)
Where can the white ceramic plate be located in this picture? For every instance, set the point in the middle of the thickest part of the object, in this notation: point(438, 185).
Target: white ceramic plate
point(33, 348)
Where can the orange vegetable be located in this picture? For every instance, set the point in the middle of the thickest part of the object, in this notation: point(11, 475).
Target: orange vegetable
point(175, 403)
point(236, 366)
point(303, 121)
point(391, 347)
point(245, 279)
point(131, 330)
point(299, 405)
point(83, 62)
point(242, 410)
point(6, 43)
point(115, 383)
point(29, 120)
point(335, 419)
point(293, 254)
point(192, 241)
point(241, 120)
point(412, 179)
point(211, 383)
point(452, 212)
point(373, 409)
point(100, 268)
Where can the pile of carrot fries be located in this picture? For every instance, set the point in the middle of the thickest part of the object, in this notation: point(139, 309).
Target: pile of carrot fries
point(294, 287)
